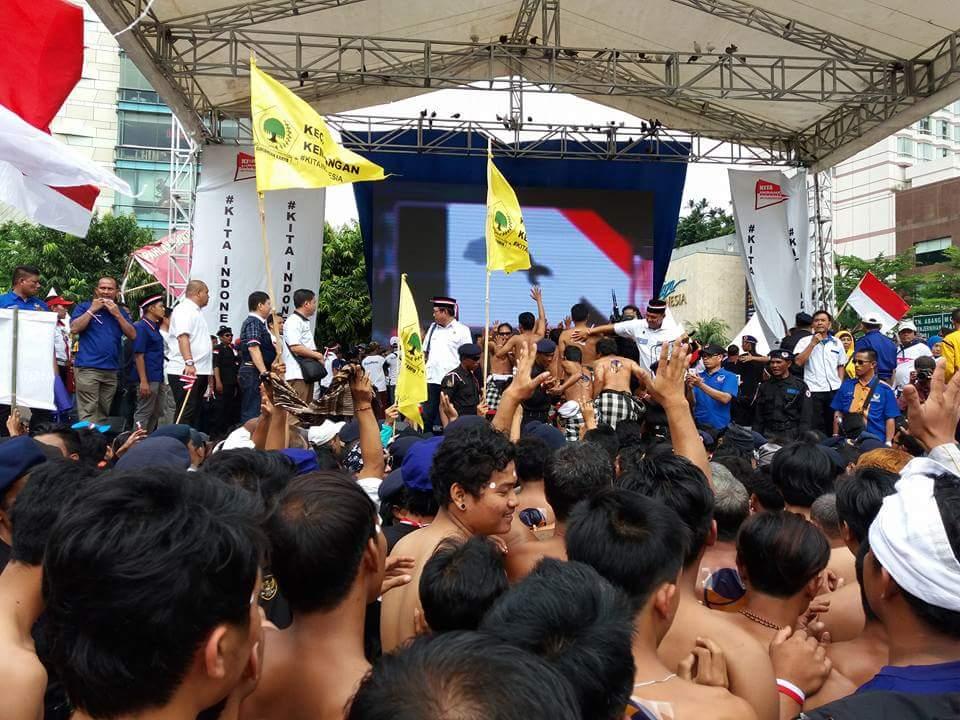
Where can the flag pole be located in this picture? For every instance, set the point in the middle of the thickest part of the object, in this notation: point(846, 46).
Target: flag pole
point(486, 333)
point(273, 301)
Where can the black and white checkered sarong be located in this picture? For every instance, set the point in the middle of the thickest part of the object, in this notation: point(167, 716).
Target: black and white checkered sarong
point(494, 391)
point(571, 426)
point(612, 407)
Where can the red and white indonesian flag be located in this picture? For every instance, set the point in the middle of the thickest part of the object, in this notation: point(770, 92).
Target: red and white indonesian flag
point(40, 62)
point(872, 298)
point(168, 260)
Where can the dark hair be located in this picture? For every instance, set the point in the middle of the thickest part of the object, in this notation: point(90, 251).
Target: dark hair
point(318, 533)
point(631, 307)
point(532, 456)
point(760, 484)
point(469, 457)
point(508, 326)
point(566, 613)
point(92, 446)
point(606, 346)
point(555, 335)
point(579, 312)
point(326, 459)
point(733, 350)
point(302, 296)
point(573, 473)
point(803, 471)
point(256, 299)
point(635, 542)
point(781, 552)
point(463, 675)
point(174, 554)
point(68, 435)
point(526, 321)
point(52, 486)
point(263, 473)
point(869, 352)
point(731, 503)
point(573, 354)
point(734, 461)
point(629, 434)
point(681, 486)
point(24, 271)
point(460, 582)
point(823, 512)
point(823, 311)
point(860, 496)
point(606, 437)
point(955, 315)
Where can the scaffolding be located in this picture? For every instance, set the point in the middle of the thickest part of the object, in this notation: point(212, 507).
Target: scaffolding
point(182, 187)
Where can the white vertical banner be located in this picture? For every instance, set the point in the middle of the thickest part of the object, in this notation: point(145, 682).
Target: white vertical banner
point(771, 217)
point(34, 358)
point(227, 248)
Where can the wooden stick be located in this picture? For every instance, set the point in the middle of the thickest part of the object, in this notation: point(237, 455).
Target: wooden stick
point(183, 406)
point(273, 301)
point(486, 333)
point(13, 364)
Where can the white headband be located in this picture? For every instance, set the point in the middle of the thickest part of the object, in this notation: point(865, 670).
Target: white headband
point(909, 540)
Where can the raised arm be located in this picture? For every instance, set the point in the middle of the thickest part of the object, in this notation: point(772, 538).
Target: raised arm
point(541, 327)
point(371, 448)
point(522, 387)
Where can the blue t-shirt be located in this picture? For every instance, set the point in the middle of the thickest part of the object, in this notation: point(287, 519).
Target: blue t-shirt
point(11, 300)
point(917, 679)
point(100, 342)
point(149, 341)
point(883, 405)
point(884, 347)
point(713, 412)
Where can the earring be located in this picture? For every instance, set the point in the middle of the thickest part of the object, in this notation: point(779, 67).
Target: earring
point(463, 506)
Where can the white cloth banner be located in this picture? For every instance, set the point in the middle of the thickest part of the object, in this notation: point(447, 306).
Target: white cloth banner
point(227, 249)
point(773, 231)
point(34, 358)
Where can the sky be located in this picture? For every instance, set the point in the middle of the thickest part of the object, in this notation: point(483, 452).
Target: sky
point(704, 180)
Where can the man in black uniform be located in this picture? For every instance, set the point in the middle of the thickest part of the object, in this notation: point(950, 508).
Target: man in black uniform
point(783, 401)
point(537, 406)
point(749, 367)
point(226, 365)
point(462, 385)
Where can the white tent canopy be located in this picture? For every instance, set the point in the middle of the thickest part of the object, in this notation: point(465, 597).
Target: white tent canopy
point(820, 78)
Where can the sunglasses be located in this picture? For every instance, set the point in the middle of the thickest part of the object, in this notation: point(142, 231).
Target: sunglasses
point(862, 362)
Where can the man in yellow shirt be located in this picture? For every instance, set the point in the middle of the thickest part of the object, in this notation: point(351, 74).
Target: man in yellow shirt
point(951, 347)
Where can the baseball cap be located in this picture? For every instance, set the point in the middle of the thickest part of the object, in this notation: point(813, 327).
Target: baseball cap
point(872, 319)
point(155, 452)
point(394, 340)
point(780, 354)
point(546, 346)
point(323, 433)
point(907, 325)
point(350, 432)
point(417, 462)
point(550, 435)
point(57, 300)
point(713, 349)
point(17, 456)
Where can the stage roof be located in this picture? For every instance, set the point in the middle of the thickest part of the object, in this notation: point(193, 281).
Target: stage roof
point(820, 78)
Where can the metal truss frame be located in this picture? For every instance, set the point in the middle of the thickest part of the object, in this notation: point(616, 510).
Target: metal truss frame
point(183, 193)
point(820, 204)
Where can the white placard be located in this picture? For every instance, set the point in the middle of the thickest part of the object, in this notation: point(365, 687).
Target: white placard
point(34, 358)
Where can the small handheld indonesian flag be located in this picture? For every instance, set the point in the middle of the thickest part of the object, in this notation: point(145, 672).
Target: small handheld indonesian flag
point(872, 299)
point(187, 381)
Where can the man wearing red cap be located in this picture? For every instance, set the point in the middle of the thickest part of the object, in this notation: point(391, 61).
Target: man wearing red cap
point(61, 338)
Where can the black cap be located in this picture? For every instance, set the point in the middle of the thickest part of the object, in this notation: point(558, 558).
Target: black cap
point(224, 330)
point(803, 318)
point(546, 346)
point(713, 349)
point(780, 354)
point(470, 350)
point(444, 302)
point(657, 306)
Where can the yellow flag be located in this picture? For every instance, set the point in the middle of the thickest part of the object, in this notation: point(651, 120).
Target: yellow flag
point(292, 145)
point(412, 375)
point(506, 235)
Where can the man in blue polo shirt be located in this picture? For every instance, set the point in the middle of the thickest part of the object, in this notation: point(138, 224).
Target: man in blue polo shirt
point(866, 395)
point(23, 290)
point(101, 324)
point(713, 390)
point(884, 347)
point(147, 371)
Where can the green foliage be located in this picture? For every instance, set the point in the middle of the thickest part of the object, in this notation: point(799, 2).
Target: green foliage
point(343, 305)
point(712, 331)
point(926, 292)
point(71, 264)
point(702, 223)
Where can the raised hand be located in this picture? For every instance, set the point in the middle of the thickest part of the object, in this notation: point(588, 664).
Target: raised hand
point(934, 421)
point(668, 384)
point(523, 385)
point(536, 293)
point(361, 389)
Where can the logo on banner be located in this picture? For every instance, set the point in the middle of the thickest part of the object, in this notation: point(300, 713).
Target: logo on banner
point(246, 167)
point(274, 132)
point(502, 224)
point(768, 194)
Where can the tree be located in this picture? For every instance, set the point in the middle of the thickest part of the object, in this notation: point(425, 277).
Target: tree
point(702, 223)
point(72, 264)
point(343, 304)
point(712, 332)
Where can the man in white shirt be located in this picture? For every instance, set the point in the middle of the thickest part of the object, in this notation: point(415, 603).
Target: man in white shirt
point(190, 364)
point(650, 334)
point(911, 347)
point(822, 358)
point(298, 342)
point(393, 369)
point(373, 365)
point(441, 344)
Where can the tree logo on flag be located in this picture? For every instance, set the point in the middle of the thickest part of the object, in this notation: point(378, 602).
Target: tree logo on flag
point(768, 194)
point(502, 225)
point(271, 132)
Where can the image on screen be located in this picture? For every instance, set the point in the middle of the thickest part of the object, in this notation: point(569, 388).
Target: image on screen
point(585, 245)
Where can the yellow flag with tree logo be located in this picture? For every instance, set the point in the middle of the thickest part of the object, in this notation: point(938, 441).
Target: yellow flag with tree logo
point(412, 375)
point(292, 145)
point(506, 234)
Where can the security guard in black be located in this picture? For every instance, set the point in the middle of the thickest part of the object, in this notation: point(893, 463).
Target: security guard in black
point(783, 401)
point(461, 385)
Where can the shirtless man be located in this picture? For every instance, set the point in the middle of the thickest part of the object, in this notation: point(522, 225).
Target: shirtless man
point(474, 480)
point(23, 679)
point(574, 472)
point(531, 329)
point(611, 384)
point(633, 541)
point(533, 510)
point(588, 346)
point(329, 572)
point(500, 368)
point(823, 514)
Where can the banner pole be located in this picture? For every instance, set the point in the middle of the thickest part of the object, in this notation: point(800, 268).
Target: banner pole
point(486, 333)
point(273, 301)
point(13, 364)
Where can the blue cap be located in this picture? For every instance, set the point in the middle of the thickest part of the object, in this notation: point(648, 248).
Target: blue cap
point(417, 462)
point(305, 460)
point(17, 456)
point(350, 432)
point(550, 435)
point(155, 452)
point(399, 447)
point(470, 350)
point(546, 346)
point(180, 433)
point(391, 485)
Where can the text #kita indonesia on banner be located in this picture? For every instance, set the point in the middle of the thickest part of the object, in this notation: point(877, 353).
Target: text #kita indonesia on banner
point(773, 233)
point(227, 249)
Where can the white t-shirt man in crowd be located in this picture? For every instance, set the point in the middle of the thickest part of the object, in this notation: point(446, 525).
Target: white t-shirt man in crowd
point(650, 333)
point(190, 364)
point(911, 347)
point(298, 342)
point(373, 365)
point(393, 369)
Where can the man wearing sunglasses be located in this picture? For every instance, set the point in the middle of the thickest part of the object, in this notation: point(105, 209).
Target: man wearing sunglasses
point(867, 396)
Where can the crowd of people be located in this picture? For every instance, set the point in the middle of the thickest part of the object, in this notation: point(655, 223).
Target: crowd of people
point(616, 522)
